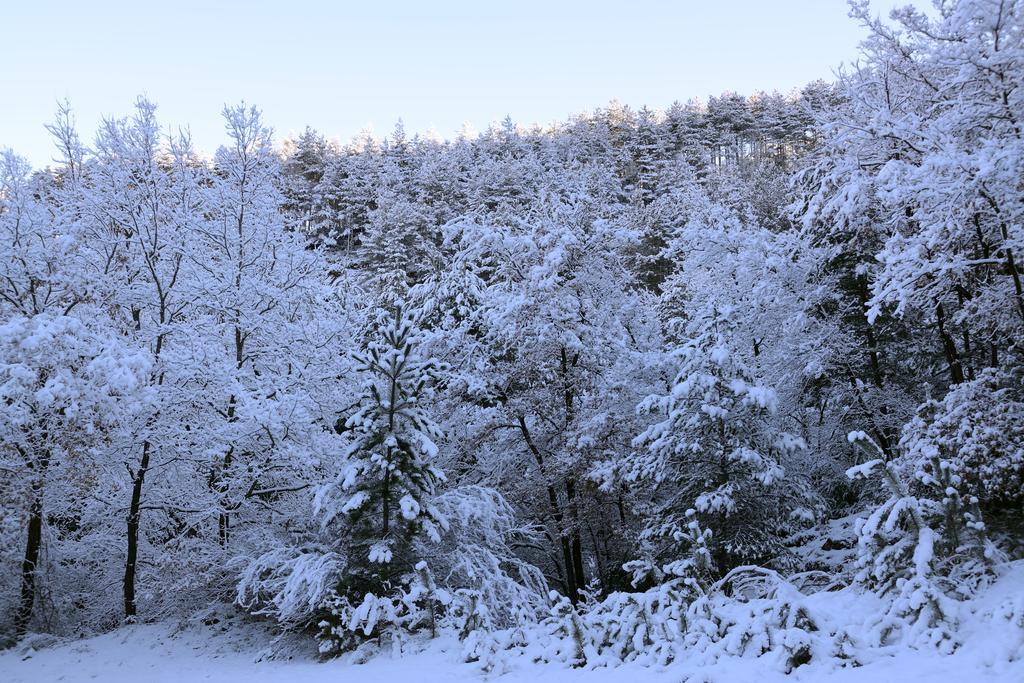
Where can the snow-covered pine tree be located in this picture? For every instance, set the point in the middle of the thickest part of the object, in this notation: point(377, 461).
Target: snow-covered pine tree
point(390, 470)
point(382, 498)
point(718, 451)
point(305, 159)
point(399, 244)
point(924, 542)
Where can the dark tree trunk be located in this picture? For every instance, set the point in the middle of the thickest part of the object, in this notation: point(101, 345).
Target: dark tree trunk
point(577, 545)
point(956, 370)
point(556, 512)
point(570, 571)
point(386, 503)
point(224, 521)
point(31, 561)
point(134, 510)
point(570, 485)
point(883, 433)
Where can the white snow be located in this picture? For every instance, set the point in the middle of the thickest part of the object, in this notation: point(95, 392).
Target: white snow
point(159, 653)
point(233, 650)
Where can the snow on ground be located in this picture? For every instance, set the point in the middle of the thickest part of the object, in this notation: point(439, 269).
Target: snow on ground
point(231, 651)
point(153, 654)
point(156, 654)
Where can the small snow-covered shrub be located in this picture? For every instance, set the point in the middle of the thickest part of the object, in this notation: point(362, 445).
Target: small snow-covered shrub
point(926, 523)
point(979, 428)
point(696, 563)
point(754, 612)
point(751, 612)
point(920, 544)
point(290, 584)
point(349, 624)
point(644, 626)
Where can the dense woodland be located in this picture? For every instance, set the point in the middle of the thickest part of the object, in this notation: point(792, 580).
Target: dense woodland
point(592, 381)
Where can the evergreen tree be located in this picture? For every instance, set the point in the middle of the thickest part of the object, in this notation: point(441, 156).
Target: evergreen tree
point(384, 491)
point(305, 160)
point(399, 245)
point(717, 451)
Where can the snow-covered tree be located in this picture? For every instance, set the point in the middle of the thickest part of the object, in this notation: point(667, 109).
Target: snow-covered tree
point(924, 542)
point(65, 392)
point(385, 488)
point(545, 317)
point(397, 248)
point(306, 158)
point(270, 322)
point(978, 429)
point(717, 450)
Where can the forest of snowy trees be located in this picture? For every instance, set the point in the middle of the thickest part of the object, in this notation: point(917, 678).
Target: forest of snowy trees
point(629, 387)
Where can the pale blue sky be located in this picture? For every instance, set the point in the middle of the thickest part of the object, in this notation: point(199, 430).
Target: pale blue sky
point(341, 67)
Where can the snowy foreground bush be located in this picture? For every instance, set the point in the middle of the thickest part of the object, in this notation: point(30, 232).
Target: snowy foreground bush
point(751, 613)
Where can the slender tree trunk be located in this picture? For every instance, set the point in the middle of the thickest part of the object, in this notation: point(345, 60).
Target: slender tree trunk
point(134, 510)
point(965, 334)
point(570, 570)
point(225, 514)
point(577, 545)
point(224, 518)
point(387, 502)
point(222, 486)
point(1011, 266)
point(599, 540)
point(556, 513)
point(570, 485)
point(956, 370)
point(883, 434)
point(719, 553)
point(31, 561)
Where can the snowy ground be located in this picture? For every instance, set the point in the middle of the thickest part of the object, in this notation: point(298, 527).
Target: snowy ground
point(154, 653)
point(230, 651)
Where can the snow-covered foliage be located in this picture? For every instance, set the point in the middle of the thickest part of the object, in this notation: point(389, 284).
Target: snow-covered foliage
point(978, 428)
point(289, 584)
point(716, 450)
point(924, 542)
point(386, 484)
point(582, 394)
point(476, 559)
point(750, 613)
